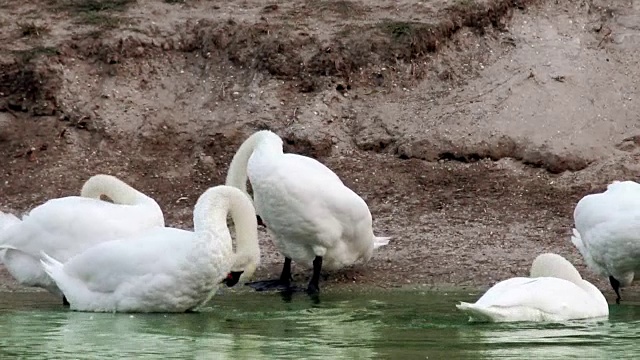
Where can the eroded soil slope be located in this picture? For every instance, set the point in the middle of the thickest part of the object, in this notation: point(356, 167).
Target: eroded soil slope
point(470, 127)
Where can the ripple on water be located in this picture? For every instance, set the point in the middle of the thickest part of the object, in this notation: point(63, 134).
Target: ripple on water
point(343, 325)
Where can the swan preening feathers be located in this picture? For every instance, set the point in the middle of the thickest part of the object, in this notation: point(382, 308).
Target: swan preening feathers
point(66, 226)
point(555, 291)
point(312, 216)
point(164, 269)
point(119, 256)
point(607, 232)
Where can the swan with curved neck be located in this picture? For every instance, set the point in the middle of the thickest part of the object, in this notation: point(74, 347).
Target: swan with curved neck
point(116, 190)
point(312, 216)
point(555, 291)
point(606, 233)
point(66, 226)
point(164, 269)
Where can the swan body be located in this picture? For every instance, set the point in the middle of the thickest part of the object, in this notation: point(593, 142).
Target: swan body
point(607, 232)
point(163, 269)
point(555, 291)
point(66, 226)
point(312, 216)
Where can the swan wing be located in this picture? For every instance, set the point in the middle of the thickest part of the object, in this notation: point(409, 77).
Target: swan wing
point(63, 227)
point(614, 245)
point(310, 165)
point(620, 198)
point(7, 220)
point(547, 294)
point(303, 199)
point(106, 266)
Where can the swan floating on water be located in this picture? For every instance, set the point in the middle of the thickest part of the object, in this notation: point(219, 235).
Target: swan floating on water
point(312, 216)
point(607, 232)
point(555, 291)
point(165, 269)
point(66, 226)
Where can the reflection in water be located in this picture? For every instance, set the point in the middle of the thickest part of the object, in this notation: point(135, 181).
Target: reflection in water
point(587, 339)
point(243, 327)
point(345, 325)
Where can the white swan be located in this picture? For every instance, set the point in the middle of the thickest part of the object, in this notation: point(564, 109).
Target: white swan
point(607, 232)
point(66, 226)
point(312, 216)
point(164, 269)
point(554, 292)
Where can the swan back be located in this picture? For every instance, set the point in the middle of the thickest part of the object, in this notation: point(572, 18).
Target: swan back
point(210, 215)
point(554, 265)
point(606, 230)
point(554, 292)
point(163, 269)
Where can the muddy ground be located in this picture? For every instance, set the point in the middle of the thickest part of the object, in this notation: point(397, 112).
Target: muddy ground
point(470, 127)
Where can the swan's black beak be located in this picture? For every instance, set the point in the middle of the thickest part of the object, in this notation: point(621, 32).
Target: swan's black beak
point(232, 278)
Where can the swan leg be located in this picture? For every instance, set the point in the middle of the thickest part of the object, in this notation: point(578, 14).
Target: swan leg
point(65, 302)
point(314, 284)
point(283, 283)
point(615, 284)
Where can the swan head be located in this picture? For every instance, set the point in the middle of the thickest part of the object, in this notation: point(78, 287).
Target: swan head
point(232, 278)
point(554, 265)
point(242, 270)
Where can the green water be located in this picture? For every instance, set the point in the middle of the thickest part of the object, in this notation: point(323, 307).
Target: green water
point(343, 325)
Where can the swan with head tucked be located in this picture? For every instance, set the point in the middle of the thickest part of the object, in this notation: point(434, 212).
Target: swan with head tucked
point(607, 232)
point(165, 269)
point(312, 216)
point(555, 291)
point(66, 226)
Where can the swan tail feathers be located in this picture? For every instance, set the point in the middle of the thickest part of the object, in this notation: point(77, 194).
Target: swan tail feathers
point(477, 313)
point(380, 241)
point(7, 220)
point(50, 265)
point(576, 239)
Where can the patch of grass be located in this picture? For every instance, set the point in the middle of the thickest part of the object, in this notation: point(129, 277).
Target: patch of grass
point(96, 5)
point(464, 2)
point(339, 7)
point(32, 29)
point(99, 19)
point(400, 29)
point(33, 53)
point(95, 12)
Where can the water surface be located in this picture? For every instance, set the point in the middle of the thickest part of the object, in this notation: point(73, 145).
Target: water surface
point(344, 324)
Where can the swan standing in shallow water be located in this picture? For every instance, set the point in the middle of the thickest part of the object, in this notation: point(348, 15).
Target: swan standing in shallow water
point(607, 232)
point(66, 226)
point(554, 292)
point(312, 216)
point(165, 269)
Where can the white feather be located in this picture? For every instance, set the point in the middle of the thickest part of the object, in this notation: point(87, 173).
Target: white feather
point(305, 205)
point(66, 226)
point(163, 269)
point(607, 231)
point(554, 292)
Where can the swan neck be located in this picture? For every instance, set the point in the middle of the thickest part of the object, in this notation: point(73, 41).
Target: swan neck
point(553, 265)
point(114, 188)
point(210, 214)
point(237, 174)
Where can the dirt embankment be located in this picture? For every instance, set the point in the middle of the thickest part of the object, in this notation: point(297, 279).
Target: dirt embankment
point(470, 127)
